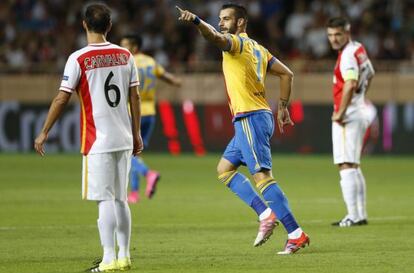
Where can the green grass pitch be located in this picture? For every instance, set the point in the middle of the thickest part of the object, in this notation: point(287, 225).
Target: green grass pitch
point(195, 224)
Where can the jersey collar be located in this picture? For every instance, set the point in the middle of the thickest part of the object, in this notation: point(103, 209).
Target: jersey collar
point(100, 44)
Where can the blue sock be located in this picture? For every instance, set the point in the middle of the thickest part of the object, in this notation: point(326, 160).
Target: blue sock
point(241, 186)
point(134, 175)
point(278, 202)
point(140, 166)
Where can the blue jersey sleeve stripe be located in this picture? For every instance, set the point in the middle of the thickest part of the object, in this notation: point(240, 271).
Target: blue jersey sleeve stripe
point(229, 44)
point(241, 44)
point(271, 62)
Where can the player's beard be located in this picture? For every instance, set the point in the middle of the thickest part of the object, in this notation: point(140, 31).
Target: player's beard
point(232, 29)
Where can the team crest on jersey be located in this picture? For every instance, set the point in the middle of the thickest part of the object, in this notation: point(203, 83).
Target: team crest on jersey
point(65, 78)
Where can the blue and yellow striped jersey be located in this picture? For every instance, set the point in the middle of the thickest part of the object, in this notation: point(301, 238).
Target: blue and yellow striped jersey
point(244, 67)
point(148, 70)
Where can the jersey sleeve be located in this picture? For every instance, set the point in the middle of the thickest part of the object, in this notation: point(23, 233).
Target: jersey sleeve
point(235, 44)
point(270, 59)
point(349, 66)
point(371, 69)
point(159, 70)
point(71, 75)
point(134, 80)
point(366, 68)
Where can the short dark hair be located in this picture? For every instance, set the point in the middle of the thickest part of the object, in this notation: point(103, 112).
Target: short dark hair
point(135, 39)
point(239, 10)
point(98, 18)
point(341, 22)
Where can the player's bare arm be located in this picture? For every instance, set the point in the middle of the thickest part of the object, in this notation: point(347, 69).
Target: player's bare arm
point(135, 102)
point(56, 108)
point(349, 88)
point(286, 79)
point(208, 31)
point(171, 79)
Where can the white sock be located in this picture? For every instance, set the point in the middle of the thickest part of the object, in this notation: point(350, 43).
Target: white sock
point(106, 226)
point(123, 229)
point(361, 195)
point(295, 234)
point(266, 213)
point(108, 255)
point(349, 179)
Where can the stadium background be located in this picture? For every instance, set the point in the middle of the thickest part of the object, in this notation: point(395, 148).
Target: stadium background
point(36, 37)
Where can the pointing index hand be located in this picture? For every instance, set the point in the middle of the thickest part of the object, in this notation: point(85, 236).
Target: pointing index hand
point(181, 12)
point(185, 15)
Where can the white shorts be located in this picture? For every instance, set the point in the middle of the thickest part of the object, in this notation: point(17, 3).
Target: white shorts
point(347, 141)
point(105, 176)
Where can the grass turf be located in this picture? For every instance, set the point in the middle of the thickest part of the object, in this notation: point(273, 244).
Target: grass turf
point(194, 224)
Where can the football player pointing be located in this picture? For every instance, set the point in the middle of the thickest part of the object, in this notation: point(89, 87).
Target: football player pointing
point(245, 63)
point(352, 76)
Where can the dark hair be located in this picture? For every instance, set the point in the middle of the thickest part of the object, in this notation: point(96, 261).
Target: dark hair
point(239, 10)
point(135, 39)
point(98, 18)
point(341, 22)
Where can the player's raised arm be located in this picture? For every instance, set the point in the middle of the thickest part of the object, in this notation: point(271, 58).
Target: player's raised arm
point(208, 31)
point(277, 68)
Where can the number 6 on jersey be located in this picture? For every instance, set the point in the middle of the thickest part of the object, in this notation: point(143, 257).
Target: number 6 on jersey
point(109, 87)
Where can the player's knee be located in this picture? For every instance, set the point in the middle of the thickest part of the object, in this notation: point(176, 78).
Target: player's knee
point(222, 168)
point(225, 166)
point(346, 165)
point(264, 183)
point(226, 177)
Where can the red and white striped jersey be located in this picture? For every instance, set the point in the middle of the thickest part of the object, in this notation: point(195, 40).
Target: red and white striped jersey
point(352, 63)
point(102, 74)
